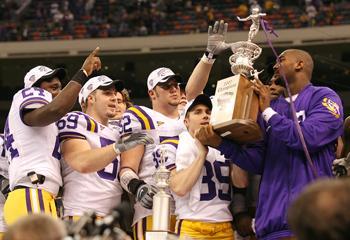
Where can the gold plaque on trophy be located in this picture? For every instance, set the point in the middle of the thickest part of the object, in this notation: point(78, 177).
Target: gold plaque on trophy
point(235, 110)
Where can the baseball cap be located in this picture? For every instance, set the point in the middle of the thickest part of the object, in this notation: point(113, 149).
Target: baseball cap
point(200, 99)
point(97, 82)
point(162, 74)
point(42, 73)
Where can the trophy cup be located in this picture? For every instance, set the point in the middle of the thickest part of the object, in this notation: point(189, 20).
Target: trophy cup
point(235, 105)
point(161, 203)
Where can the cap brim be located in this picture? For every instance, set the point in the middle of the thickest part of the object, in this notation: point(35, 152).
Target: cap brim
point(119, 86)
point(200, 99)
point(60, 73)
point(176, 77)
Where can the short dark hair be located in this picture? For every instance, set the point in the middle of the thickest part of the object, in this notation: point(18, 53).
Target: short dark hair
point(36, 227)
point(322, 211)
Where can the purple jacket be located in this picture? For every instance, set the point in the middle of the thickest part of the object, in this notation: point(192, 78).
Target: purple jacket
point(280, 158)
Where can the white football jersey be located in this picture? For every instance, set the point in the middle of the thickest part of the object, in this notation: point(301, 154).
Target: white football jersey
point(161, 128)
point(115, 125)
point(98, 191)
point(32, 148)
point(210, 197)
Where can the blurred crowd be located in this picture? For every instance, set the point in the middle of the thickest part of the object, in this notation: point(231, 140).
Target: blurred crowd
point(49, 19)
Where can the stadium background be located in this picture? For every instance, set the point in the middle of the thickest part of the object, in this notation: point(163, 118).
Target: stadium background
point(138, 36)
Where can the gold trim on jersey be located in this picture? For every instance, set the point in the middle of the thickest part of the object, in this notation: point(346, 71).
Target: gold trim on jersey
point(143, 117)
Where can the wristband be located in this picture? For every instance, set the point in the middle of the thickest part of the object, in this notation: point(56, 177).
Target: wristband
point(80, 77)
point(207, 58)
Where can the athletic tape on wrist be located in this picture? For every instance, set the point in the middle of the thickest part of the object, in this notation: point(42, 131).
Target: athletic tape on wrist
point(207, 60)
point(126, 177)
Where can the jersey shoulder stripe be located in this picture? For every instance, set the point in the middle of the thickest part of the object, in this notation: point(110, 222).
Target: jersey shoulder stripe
point(145, 120)
point(91, 124)
point(172, 142)
point(70, 135)
point(33, 101)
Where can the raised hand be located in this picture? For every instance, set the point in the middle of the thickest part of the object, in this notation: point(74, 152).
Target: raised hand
point(216, 38)
point(92, 62)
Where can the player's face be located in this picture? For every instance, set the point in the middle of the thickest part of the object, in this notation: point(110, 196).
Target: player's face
point(120, 107)
point(168, 93)
point(197, 117)
point(275, 86)
point(53, 86)
point(286, 65)
point(105, 103)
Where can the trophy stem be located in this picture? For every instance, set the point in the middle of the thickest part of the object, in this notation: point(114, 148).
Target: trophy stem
point(161, 211)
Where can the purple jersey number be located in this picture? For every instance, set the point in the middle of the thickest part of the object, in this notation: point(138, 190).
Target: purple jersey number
point(208, 179)
point(56, 151)
point(102, 173)
point(125, 124)
point(9, 141)
point(70, 123)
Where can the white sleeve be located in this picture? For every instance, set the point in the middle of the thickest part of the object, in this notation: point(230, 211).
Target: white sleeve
point(32, 98)
point(186, 151)
point(74, 125)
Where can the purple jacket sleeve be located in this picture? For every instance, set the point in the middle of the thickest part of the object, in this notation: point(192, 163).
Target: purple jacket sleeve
point(322, 125)
point(248, 157)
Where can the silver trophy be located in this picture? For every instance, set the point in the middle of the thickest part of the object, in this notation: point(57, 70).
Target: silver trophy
point(161, 202)
point(235, 105)
point(245, 52)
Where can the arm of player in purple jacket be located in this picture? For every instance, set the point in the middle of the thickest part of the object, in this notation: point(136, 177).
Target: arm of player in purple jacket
point(249, 157)
point(322, 125)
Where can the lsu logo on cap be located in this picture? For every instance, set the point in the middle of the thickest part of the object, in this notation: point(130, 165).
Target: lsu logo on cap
point(42, 69)
point(163, 72)
point(332, 107)
point(32, 78)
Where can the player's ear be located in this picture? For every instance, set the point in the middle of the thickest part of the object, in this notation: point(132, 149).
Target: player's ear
point(299, 66)
point(152, 94)
point(186, 121)
point(91, 98)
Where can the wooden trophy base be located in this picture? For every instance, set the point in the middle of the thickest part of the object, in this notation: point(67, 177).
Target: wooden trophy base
point(239, 130)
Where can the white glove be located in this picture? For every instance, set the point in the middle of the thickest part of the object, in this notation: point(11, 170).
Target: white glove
point(131, 141)
point(216, 39)
point(341, 166)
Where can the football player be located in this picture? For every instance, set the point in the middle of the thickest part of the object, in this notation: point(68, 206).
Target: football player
point(164, 123)
point(31, 138)
point(201, 182)
point(89, 149)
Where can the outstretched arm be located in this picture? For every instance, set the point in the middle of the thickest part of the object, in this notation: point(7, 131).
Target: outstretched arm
point(215, 45)
point(65, 101)
point(243, 19)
